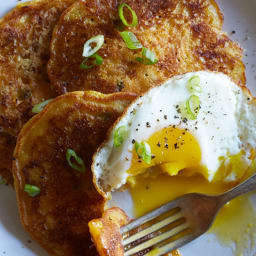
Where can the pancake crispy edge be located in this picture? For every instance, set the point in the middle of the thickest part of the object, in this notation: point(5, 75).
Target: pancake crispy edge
point(170, 28)
point(58, 217)
point(25, 34)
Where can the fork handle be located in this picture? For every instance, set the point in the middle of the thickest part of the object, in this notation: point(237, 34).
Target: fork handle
point(243, 188)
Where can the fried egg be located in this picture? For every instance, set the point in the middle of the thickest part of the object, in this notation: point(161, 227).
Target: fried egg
point(196, 123)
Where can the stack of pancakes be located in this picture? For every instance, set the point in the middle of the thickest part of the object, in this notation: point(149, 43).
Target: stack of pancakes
point(41, 45)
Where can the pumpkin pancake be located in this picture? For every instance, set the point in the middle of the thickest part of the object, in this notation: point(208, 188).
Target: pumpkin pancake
point(106, 233)
point(57, 218)
point(25, 34)
point(185, 36)
point(107, 237)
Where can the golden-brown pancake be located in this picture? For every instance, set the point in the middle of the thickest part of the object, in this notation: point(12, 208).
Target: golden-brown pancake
point(185, 35)
point(58, 217)
point(106, 233)
point(25, 34)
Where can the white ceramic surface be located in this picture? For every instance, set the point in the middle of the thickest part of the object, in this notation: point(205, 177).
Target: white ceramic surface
point(240, 16)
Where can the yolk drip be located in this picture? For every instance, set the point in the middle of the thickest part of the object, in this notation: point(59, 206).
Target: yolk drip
point(235, 223)
point(174, 149)
point(149, 193)
point(175, 170)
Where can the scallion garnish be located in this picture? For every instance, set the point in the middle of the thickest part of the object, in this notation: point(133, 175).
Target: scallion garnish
point(144, 151)
point(131, 40)
point(119, 135)
point(148, 57)
point(192, 106)
point(32, 190)
point(97, 62)
point(121, 15)
point(194, 84)
point(80, 166)
point(88, 50)
point(39, 107)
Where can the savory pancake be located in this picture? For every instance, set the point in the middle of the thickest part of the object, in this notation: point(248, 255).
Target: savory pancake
point(57, 218)
point(106, 234)
point(185, 36)
point(25, 34)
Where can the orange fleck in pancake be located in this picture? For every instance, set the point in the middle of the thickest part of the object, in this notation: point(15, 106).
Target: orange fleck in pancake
point(185, 36)
point(58, 217)
point(25, 34)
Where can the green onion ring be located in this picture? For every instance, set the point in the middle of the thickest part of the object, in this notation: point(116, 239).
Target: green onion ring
point(194, 109)
point(131, 40)
point(80, 166)
point(194, 84)
point(143, 150)
point(97, 62)
point(88, 50)
point(121, 15)
point(148, 57)
point(119, 135)
point(39, 107)
point(32, 190)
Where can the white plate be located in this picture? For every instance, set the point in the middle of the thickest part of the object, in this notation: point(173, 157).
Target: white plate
point(240, 16)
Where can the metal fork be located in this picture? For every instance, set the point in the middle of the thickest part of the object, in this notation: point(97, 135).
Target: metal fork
point(178, 222)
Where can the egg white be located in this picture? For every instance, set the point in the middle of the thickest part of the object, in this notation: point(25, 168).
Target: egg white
point(225, 125)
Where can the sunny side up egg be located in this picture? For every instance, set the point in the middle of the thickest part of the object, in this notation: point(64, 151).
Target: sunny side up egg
point(194, 123)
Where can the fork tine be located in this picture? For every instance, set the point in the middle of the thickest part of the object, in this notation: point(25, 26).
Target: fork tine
point(150, 216)
point(172, 245)
point(152, 229)
point(157, 239)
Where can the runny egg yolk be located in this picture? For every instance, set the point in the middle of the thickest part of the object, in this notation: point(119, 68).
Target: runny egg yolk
point(174, 171)
point(172, 149)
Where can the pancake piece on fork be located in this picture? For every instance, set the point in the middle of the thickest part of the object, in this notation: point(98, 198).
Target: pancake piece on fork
point(57, 218)
point(185, 35)
point(25, 34)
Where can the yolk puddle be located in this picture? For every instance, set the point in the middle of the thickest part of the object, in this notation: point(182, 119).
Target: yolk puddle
point(176, 157)
point(235, 223)
point(150, 193)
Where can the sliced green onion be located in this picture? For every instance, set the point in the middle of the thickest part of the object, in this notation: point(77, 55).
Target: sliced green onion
point(121, 15)
point(32, 190)
point(194, 84)
point(144, 151)
point(148, 57)
point(88, 50)
point(39, 107)
point(131, 40)
point(192, 106)
point(119, 135)
point(97, 62)
point(80, 166)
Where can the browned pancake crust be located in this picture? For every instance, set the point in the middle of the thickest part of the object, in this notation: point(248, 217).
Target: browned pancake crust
point(168, 27)
point(106, 233)
point(58, 217)
point(25, 35)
